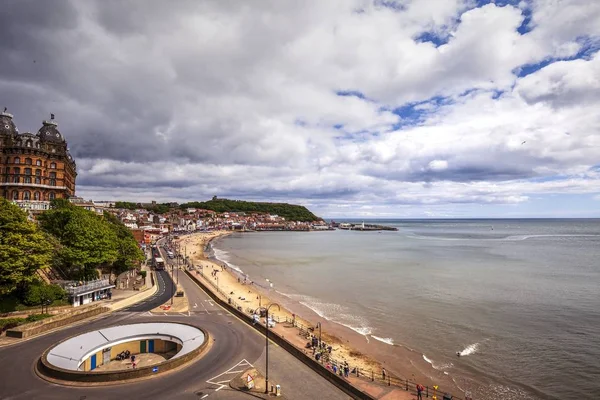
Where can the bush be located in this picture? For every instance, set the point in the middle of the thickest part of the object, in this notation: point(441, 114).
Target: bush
point(143, 274)
point(37, 317)
point(8, 304)
point(36, 293)
point(9, 323)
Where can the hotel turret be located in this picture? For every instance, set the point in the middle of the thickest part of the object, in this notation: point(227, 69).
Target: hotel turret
point(34, 168)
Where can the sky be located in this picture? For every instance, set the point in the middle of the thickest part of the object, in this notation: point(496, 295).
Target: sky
point(353, 108)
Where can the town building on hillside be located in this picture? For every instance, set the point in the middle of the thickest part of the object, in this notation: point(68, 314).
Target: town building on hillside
point(35, 168)
point(86, 204)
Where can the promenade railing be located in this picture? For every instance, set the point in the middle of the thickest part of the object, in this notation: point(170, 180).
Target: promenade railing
point(326, 359)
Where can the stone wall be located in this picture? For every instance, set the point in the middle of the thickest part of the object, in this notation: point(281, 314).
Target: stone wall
point(339, 382)
point(34, 328)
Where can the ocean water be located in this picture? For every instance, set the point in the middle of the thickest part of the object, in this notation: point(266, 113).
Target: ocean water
point(519, 299)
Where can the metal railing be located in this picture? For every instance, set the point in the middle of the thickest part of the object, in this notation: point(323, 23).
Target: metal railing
point(75, 289)
point(327, 361)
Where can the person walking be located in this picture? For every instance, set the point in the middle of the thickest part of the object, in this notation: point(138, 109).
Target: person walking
point(383, 374)
point(420, 391)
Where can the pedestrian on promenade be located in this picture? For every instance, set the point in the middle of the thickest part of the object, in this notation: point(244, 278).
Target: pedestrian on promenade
point(383, 373)
point(420, 391)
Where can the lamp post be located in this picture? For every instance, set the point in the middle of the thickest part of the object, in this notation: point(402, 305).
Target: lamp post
point(267, 345)
point(319, 325)
point(171, 281)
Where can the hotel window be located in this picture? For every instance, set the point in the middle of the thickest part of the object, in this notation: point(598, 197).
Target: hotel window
point(36, 195)
point(52, 196)
point(27, 179)
point(17, 160)
point(15, 195)
point(52, 178)
point(27, 171)
point(29, 143)
point(38, 180)
point(38, 172)
point(26, 195)
point(38, 163)
point(53, 165)
point(28, 161)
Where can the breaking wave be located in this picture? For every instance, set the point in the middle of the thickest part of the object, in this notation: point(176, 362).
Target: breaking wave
point(389, 341)
point(470, 349)
point(223, 256)
point(333, 312)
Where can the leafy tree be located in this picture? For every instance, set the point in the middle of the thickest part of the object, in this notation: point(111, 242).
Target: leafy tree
point(87, 240)
point(129, 253)
point(23, 248)
point(290, 212)
point(36, 293)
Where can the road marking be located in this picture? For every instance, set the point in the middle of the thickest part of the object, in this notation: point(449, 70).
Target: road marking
point(230, 371)
point(205, 309)
point(203, 397)
point(195, 305)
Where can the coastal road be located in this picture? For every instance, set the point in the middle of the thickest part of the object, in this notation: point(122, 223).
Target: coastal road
point(235, 346)
point(166, 288)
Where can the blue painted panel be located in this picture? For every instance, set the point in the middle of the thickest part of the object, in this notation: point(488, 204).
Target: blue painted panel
point(93, 362)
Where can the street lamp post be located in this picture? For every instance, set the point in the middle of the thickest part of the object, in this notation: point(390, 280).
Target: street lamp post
point(319, 325)
point(267, 345)
point(171, 282)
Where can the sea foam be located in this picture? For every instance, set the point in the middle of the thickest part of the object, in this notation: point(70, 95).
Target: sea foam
point(223, 256)
point(470, 349)
point(389, 341)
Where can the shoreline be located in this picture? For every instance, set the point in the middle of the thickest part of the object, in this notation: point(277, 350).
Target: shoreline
point(348, 344)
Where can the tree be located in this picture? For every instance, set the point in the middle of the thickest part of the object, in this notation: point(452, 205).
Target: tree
point(40, 292)
point(87, 239)
point(23, 248)
point(129, 253)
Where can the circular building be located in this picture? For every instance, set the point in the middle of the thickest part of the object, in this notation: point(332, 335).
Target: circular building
point(96, 356)
point(35, 168)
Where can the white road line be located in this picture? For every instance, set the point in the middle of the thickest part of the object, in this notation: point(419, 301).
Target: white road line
point(195, 305)
point(203, 397)
point(205, 309)
point(231, 370)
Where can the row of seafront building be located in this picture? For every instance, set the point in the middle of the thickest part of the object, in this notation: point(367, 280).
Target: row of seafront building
point(148, 226)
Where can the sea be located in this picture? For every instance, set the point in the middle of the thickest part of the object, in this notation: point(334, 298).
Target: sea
point(518, 299)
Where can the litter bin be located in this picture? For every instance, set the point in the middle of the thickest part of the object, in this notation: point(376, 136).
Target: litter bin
point(277, 390)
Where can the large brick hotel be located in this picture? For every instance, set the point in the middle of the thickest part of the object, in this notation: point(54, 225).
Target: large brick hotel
point(34, 168)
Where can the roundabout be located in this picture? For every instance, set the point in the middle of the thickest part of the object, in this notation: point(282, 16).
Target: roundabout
point(231, 347)
point(97, 356)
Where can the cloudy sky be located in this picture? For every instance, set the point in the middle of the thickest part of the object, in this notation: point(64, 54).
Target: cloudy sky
point(422, 108)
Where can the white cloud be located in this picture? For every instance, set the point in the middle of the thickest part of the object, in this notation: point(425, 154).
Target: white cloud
point(191, 99)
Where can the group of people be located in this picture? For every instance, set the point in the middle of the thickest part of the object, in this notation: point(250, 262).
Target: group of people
point(341, 370)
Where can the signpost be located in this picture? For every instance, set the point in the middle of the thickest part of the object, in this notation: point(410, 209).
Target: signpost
point(249, 382)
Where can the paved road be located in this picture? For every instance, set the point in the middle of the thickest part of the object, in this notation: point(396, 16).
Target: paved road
point(166, 288)
point(235, 347)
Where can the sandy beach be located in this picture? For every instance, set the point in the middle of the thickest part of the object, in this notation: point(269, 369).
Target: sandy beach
point(348, 346)
point(252, 296)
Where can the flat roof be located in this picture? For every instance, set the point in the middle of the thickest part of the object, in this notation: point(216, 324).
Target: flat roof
point(71, 353)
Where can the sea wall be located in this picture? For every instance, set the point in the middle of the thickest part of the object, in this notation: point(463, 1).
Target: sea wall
point(336, 380)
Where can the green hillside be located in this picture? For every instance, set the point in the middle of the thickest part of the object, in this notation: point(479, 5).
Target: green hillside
point(290, 212)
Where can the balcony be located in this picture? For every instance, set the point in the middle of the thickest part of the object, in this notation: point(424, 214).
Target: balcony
point(75, 289)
